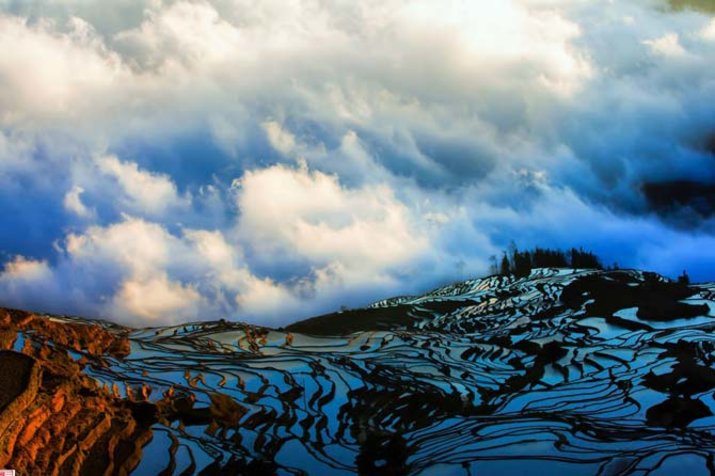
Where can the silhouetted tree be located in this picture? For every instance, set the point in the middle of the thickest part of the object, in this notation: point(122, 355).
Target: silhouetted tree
point(546, 258)
point(584, 259)
point(520, 263)
point(684, 278)
point(505, 268)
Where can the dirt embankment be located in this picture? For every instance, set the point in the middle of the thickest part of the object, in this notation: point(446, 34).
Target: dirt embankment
point(54, 419)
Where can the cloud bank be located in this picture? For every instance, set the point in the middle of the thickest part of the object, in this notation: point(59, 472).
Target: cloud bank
point(267, 161)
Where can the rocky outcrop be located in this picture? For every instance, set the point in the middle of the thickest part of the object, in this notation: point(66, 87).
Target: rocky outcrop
point(55, 419)
point(20, 377)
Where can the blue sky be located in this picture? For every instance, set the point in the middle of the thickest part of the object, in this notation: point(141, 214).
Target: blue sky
point(166, 161)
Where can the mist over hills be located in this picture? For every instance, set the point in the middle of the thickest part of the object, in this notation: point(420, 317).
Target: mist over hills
point(196, 159)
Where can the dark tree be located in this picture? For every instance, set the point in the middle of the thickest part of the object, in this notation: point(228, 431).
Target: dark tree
point(520, 263)
point(584, 259)
point(546, 258)
point(505, 268)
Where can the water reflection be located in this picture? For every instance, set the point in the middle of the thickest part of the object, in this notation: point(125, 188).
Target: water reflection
point(565, 372)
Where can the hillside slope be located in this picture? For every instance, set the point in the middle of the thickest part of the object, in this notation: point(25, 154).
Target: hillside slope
point(571, 371)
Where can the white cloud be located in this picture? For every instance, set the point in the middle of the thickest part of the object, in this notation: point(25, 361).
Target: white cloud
point(311, 215)
point(281, 140)
point(709, 31)
point(23, 269)
point(139, 248)
point(136, 272)
point(666, 45)
point(26, 282)
point(143, 191)
point(47, 74)
point(73, 202)
point(190, 33)
point(155, 299)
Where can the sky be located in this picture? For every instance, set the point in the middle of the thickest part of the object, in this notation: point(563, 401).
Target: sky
point(266, 161)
